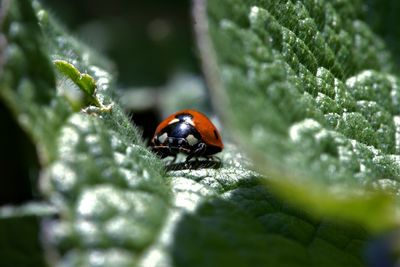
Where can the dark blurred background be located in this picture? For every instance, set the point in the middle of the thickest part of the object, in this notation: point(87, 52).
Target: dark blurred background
point(148, 40)
point(152, 46)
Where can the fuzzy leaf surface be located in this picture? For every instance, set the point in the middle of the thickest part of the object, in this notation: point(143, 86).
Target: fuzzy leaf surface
point(314, 98)
point(226, 216)
point(106, 186)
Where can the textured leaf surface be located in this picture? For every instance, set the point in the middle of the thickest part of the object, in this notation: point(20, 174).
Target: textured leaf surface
point(112, 201)
point(314, 99)
point(106, 186)
point(228, 217)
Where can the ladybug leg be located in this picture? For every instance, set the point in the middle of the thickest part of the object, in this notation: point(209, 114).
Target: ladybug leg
point(189, 157)
point(201, 148)
point(174, 159)
point(214, 158)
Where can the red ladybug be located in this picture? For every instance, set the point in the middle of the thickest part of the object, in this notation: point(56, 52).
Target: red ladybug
point(187, 131)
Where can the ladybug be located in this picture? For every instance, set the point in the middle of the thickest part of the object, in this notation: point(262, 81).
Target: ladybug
point(187, 131)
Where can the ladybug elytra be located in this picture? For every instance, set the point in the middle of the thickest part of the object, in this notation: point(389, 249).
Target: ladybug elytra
point(187, 131)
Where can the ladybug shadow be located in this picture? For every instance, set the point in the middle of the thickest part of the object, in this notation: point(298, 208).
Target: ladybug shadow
point(194, 165)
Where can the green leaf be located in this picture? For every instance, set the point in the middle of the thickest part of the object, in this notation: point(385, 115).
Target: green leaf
point(105, 185)
point(109, 197)
point(84, 81)
point(27, 82)
point(30, 209)
point(226, 216)
point(117, 205)
point(20, 242)
point(309, 91)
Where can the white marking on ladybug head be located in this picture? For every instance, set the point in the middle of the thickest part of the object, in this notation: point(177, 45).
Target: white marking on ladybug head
point(173, 121)
point(191, 139)
point(188, 120)
point(162, 138)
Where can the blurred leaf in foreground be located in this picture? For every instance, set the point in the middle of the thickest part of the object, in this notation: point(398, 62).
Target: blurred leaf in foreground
point(309, 91)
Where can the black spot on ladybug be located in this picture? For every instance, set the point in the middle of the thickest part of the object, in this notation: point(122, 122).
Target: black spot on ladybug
point(216, 134)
